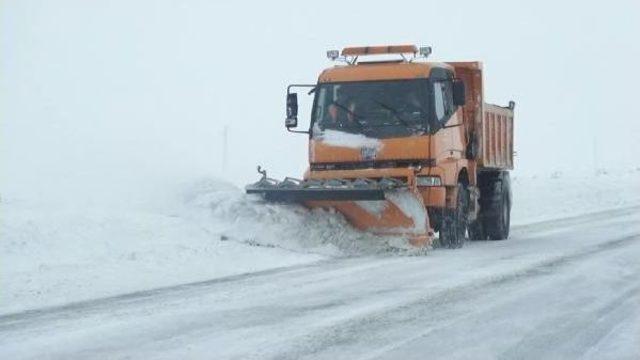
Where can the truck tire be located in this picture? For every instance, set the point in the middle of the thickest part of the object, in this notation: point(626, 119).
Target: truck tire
point(476, 230)
point(454, 224)
point(497, 220)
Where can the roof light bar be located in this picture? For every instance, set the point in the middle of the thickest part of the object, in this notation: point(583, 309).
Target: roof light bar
point(350, 54)
point(377, 50)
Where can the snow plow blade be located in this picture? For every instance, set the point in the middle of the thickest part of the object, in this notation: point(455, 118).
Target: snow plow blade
point(301, 195)
point(294, 190)
point(384, 206)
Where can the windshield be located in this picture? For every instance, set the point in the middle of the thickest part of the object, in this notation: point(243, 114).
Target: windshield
point(375, 108)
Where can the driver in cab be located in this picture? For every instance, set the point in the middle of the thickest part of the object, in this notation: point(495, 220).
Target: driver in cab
point(342, 111)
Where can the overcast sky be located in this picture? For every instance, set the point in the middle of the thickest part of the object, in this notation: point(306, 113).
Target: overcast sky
point(103, 94)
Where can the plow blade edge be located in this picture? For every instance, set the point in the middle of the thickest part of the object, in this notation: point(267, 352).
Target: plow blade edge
point(301, 195)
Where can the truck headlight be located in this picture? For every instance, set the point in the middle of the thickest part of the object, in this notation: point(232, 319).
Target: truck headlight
point(429, 181)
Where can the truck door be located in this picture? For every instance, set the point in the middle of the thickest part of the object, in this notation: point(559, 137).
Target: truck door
point(447, 117)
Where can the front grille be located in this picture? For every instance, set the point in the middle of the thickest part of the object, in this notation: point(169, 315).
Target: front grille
point(381, 164)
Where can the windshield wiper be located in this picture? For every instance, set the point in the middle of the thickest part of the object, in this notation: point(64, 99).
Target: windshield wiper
point(394, 112)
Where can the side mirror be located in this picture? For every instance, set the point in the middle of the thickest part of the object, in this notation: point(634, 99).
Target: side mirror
point(292, 111)
point(291, 123)
point(459, 98)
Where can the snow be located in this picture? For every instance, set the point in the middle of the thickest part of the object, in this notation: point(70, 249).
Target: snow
point(557, 195)
point(526, 298)
point(352, 141)
point(375, 207)
point(55, 251)
point(54, 255)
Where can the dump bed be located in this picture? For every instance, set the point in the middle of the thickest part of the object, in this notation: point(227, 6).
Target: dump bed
point(495, 137)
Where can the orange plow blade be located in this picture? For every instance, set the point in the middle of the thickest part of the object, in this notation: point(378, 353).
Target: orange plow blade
point(384, 206)
point(402, 213)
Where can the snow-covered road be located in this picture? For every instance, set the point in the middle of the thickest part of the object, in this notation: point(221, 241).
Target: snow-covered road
point(558, 289)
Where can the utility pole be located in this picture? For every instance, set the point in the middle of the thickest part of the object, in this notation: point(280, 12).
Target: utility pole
point(225, 143)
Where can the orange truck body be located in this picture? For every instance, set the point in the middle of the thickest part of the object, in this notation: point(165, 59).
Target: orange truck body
point(477, 138)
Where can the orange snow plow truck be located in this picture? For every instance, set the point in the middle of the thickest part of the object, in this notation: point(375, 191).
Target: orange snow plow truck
point(405, 147)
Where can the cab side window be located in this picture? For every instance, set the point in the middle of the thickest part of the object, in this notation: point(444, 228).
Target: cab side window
point(439, 95)
point(443, 100)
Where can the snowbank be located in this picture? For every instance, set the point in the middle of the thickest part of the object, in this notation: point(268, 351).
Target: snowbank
point(56, 252)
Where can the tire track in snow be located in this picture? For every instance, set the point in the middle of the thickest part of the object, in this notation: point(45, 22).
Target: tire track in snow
point(411, 314)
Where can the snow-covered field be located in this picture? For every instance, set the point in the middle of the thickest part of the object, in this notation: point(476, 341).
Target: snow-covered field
point(558, 195)
point(57, 252)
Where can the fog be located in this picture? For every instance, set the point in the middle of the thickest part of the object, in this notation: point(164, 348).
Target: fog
point(119, 97)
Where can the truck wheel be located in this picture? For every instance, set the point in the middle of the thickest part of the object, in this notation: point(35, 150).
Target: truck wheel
point(476, 230)
point(498, 222)
point(454, 226)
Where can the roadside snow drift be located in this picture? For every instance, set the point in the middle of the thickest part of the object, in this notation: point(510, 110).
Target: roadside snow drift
point(57, 252)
